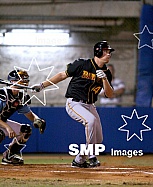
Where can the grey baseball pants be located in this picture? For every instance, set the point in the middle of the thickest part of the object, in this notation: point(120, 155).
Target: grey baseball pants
point(89, 117)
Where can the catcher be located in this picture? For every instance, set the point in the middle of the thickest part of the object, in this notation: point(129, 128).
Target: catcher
point(12, 99)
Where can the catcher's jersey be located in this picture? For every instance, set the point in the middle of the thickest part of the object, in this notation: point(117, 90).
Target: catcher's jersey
point(84, 84)
point(10, 104)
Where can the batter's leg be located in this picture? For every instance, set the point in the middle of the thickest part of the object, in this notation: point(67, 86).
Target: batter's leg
point(99, 131)
point(99, 136)
point(81, 113)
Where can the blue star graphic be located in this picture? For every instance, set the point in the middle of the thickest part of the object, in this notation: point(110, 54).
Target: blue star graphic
point(134, 125)
point(16, 141)
point(147, 41)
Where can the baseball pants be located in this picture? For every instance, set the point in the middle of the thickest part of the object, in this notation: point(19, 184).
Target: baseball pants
point(89, 117)
point(17, 129)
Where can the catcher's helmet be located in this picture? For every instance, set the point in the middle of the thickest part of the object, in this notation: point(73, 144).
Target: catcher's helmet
point(19, 75)
point(98, 48)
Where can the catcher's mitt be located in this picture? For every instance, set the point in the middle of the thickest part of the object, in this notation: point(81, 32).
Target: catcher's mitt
point(41, 124)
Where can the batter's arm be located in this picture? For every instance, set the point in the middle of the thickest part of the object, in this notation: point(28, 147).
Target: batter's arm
point(108, 90)
point(55, 79)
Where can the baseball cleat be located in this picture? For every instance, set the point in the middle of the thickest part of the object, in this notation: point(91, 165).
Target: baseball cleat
point(13, 160)
point(84, 165)
point(93, 162)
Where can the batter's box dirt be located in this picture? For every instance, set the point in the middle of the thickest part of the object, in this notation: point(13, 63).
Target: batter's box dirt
point(63, 172)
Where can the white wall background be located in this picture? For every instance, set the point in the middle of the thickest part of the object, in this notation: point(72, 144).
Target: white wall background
point(79, 45)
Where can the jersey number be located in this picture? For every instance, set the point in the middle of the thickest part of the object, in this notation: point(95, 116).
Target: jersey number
point(96, 89)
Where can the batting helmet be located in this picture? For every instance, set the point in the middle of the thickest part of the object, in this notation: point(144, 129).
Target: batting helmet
point(21, 75)
point(98, 48)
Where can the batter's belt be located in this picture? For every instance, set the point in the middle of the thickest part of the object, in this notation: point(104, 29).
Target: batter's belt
point(83, 101)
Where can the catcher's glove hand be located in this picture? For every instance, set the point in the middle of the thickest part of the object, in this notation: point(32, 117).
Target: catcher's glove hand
point(41, 124)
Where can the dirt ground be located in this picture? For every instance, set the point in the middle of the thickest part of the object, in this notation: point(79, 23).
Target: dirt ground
point(103, 174)
point(118, 171)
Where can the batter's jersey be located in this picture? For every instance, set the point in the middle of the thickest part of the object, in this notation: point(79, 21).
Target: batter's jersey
point(84, 84)
point(10, 104)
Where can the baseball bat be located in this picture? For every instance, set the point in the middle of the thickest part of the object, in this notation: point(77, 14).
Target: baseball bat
point(10, 83)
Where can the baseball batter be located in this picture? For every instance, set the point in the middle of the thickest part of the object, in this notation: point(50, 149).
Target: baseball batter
point(89, 76)
point(12, 99)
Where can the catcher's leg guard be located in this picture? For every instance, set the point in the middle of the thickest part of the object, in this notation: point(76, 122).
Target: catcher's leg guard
point(13, 160)
point(27, 131)
point(11, 156)
point(15, 148)
point(2, 135)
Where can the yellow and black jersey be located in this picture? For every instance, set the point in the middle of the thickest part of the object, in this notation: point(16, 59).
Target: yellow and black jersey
point(84, 84)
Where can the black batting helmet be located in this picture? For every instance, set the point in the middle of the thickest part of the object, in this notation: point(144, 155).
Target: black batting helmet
point(98, 48)
point(19, 75)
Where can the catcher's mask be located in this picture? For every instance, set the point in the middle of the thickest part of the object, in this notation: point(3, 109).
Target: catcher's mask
point(19, 75)
point(100, 46)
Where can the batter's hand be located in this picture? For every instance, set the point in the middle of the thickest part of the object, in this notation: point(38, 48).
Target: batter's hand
point(100, 74)
point(37, 87)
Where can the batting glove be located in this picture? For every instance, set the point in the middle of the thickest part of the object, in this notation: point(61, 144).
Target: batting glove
point(37, 87)
point(100, 74)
